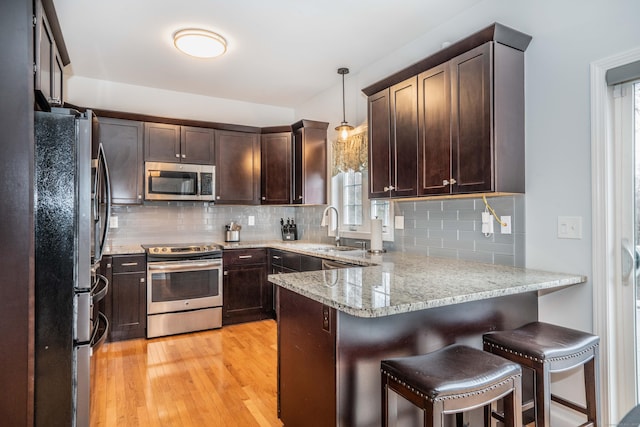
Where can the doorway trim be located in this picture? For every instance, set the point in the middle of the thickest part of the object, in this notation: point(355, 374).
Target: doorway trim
point(618, 395)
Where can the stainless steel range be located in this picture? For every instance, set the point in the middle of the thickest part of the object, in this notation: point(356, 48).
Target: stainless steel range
point(184, 288)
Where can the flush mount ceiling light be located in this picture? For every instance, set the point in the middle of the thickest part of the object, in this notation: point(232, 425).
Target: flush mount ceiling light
point(199, 43)
point(344, 128)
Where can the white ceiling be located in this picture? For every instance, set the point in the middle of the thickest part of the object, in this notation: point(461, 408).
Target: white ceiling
point(280, 52)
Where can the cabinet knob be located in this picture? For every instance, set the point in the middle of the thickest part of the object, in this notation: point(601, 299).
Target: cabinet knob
point(184, 156)
point(226, 273)
point(178, 155)
point(217, 197)
point(299, 197)
point(139, 196)
point(445, 182)
point(264, 198)
point(453, 181)
point(389, 188)
point(142, 280)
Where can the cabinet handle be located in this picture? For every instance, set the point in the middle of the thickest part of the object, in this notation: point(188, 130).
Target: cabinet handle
point(178, 155)
point(264, 198)
point(245, 256)
point(226, 273)
point(217, 197)
point(453, 181)
point(139, 196)
point(142, 280)
point(184, 156)
point(389, 188)
point(275, 257)
point(129, 264)
point(445, 182)
point(299, 197)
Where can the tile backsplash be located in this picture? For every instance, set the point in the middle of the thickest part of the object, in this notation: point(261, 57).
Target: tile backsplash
point(442, 228)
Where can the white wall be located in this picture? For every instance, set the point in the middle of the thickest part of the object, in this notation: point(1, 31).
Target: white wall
point(106, 95)
point(567, 36)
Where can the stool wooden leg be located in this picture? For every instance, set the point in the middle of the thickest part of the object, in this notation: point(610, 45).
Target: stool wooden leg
point(591, 390)
point(542, 395)
point(385, 400)
point(513, 406)
point(459, 419)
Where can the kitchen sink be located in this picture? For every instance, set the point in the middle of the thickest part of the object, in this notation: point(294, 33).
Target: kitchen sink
point(338, 249)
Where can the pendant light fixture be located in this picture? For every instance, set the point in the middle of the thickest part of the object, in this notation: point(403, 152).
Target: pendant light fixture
point(344, 128)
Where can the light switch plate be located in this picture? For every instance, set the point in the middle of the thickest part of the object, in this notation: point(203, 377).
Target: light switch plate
point(570, 227)
point(113, 221)
point(252, 220)
point(399, 222)
point(505, 229)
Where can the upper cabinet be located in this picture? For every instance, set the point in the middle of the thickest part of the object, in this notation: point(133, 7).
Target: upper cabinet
point(393, 141)
point(467, 119)
point(50, 56)
point(276, 168)
point(122, 142)
point(309, 162)
point(178, 144)
point(237, 167)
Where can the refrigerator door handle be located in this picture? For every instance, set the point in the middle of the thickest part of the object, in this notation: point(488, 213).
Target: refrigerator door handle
point(98, 295)
point(97, 341)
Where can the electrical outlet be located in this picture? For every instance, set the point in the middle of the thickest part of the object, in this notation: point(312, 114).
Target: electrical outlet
point(113, 221)
point(487, 223)
point(252, 220)
point(399, 222)
point(570, 227)
point(505, 229)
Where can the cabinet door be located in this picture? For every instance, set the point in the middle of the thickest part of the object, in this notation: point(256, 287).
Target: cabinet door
point(129, 303)
point(247, 295)
point(237, 167)
point(276, 168)
point(161, 142)
point(122, 141)
point(403, 109)
point(471, 100)
point(310, 165)
point(196, 145)
point(434, 107)
point(379, 145)
point(44, 55)
point(57, 79)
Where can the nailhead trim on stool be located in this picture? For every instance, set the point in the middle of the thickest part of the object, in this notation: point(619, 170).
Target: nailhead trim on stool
point(547, 348)
point(453, 380)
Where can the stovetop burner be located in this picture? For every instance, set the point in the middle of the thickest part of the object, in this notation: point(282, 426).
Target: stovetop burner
point(183, 249)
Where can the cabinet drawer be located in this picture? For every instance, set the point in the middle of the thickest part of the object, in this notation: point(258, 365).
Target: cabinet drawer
point(244, 256)
point(129, 263)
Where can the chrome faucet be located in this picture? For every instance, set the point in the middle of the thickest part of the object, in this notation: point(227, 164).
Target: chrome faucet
point(325, 223)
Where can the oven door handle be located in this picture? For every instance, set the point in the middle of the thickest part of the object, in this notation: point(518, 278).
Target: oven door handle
point(183, 266)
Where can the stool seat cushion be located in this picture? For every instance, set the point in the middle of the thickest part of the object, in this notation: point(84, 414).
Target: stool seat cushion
point(453, 370)
point(542, 341)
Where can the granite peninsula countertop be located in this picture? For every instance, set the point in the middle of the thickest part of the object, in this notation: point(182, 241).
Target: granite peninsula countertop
point(396, 282)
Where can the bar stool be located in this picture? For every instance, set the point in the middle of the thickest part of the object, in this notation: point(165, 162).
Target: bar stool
point(453, 380)
point(546, 349)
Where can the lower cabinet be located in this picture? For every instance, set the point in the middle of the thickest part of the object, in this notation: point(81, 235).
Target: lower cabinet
point(247, 294)
point(128, 290)
point(291, 262)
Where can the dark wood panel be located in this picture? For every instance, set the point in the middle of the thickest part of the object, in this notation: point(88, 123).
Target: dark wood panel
point(472, 121)
point(16, 204)
point(244, 257)
point(310, 163)
point(310, 263)
point(306, 361)
point(129, 263)
point(434, 106)
point(123, 145)
point(237, 167)
point(379, 144)
point(161, 142)
point(197, 145)
point(276, 162)
point(403, 109)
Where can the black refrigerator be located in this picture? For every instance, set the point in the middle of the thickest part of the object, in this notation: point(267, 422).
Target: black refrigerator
point(71, 208)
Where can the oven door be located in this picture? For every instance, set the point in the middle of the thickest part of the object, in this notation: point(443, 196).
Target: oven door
point(183, 285)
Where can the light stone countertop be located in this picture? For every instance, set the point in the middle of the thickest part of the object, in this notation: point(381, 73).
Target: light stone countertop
point(396, 282)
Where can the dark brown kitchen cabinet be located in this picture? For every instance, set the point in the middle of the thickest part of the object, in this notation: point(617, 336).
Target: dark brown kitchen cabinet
point(178, 144)
point(122, 141)
point(276, 168)
point(237, 157)
point(247, 294)
point(128, 289)
point(49, 57)
point(309, 162)
point(393, 143)
point(291, 262)
point(470, 121)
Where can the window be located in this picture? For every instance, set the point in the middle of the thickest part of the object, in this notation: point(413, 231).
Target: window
point(349, 191)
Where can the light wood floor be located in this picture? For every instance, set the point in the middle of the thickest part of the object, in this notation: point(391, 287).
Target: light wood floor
point(224, 377)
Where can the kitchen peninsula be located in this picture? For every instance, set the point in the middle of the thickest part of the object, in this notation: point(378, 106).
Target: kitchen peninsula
point(334, 326)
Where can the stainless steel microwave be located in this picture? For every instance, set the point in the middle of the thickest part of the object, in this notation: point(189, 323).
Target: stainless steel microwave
point(179, 181)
